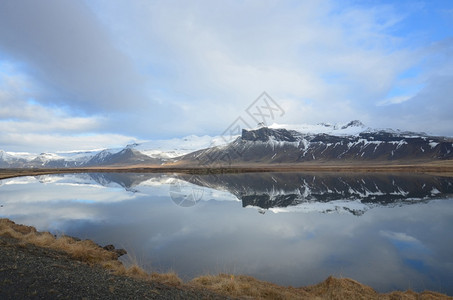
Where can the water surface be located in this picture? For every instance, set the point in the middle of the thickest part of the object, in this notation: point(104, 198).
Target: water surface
point(387, 231)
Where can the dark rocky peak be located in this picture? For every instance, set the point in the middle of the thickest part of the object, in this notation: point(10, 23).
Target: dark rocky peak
point(133, 145)
point(325, 124)
point(354, 123)
point(265, 134)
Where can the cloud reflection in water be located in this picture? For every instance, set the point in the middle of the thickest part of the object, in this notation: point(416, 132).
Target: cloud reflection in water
point(396, 243)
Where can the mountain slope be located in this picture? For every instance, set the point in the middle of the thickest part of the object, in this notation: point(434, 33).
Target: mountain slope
point(352, 142)
point(286, 144)
point(126, 156)
point(154, 152)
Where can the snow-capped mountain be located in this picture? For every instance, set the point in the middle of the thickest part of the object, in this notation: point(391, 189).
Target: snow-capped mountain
point(8, 160)
point(351, 141)
point(45, 160)
point(323, 142)
point(154, 152)
point(351, 128)
point(172, 148)
point(127, 156)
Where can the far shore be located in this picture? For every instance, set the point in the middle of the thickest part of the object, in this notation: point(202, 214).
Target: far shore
point(439, 167)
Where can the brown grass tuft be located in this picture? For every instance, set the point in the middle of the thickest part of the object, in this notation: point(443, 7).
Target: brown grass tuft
point(345, 288)
point(247, 286)
point(331, 288)
point(170, 278)
point(137, 272)
point(86, 251)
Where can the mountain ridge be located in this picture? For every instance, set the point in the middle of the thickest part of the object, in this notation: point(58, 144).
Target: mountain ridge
point(271, 145)
point(275, 144)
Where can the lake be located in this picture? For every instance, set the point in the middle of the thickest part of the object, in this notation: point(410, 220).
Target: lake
point(388, 231)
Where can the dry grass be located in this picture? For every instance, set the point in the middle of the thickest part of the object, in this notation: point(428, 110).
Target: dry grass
point(434, 167)
point(332, 288)
point(244, 287)
point(247, 286)
point(82, 250)
point(86, 250)
point(170, 278)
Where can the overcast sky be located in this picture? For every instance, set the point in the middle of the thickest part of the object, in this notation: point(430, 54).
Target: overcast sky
point(83, 75)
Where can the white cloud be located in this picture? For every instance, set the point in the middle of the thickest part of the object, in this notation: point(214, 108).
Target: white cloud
point(394, 100)
point(284, 50)
point(25, 125)
point(41, 142)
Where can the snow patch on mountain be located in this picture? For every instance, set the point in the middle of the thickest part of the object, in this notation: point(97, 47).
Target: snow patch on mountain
point(341, 129)
point(172, 148)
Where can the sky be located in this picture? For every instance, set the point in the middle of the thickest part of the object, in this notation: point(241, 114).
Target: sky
point(101, 73)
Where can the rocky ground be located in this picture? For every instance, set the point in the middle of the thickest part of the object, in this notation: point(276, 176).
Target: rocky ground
point(31, 272)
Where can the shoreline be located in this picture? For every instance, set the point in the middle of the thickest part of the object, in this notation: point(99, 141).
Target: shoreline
point(437, 168)
point(73, 257)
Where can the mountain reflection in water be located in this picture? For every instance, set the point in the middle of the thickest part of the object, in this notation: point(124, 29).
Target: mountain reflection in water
point(198, 224)
point(279, 192)
point(354, 193)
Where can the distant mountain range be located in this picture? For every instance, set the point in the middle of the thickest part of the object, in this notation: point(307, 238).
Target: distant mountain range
point(146, 153)
point(275, 144)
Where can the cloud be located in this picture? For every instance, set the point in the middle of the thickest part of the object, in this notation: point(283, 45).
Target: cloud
point(294, 51)
point(151, 69)
point(429, 108)
point(65, 49)
point(29, 126)
point(42, 142)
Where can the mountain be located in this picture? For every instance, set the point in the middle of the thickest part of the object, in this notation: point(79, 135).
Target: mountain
point(286, 144)
point(9, 160)
point(325, 143)
point(127, 156)
point(149, 152)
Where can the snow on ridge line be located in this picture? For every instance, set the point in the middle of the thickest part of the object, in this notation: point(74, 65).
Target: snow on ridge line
point(175, 147)
point(345, 129)
point(353, 128)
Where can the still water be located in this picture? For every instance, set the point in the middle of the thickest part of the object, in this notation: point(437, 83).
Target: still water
point(387, 231)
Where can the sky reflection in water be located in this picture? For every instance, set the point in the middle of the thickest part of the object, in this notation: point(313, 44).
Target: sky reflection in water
point(398, 244)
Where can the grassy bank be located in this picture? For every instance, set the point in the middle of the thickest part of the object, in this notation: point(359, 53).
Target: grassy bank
point(240, 286)
point(441, 167)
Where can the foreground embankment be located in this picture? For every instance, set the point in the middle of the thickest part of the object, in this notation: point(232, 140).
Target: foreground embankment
point(39, 265)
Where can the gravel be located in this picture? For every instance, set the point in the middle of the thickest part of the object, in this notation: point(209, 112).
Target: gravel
point(30, 272)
